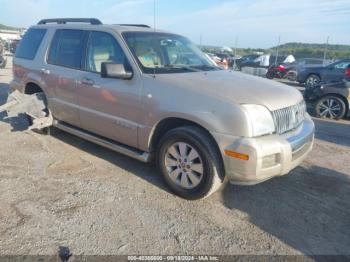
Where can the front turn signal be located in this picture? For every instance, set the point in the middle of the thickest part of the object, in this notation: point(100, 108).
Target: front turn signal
point(236, 155)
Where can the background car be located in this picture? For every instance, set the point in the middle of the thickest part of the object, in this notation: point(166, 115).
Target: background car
point(314, 75)
point(331, 100)
point(222, 63)
point(225, 58)
point(347, 73)
point(247, 60)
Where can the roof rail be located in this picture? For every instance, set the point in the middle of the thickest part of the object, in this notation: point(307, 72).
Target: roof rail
point(136, 25)
point(92, 21)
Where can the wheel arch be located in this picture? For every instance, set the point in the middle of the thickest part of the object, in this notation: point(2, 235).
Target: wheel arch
point(170, 123)
point(32, 88)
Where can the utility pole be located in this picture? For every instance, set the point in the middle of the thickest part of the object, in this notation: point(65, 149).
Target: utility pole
point(154, 14)
point(325, 51)
point(235, 52)
point(277, 49)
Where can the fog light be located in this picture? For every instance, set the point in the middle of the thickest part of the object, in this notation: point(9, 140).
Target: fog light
point(270, 161)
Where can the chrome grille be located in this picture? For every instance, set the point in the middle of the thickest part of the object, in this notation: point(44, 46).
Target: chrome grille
point(288, 118)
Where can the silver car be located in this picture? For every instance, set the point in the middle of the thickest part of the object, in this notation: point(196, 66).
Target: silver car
point(153, 95)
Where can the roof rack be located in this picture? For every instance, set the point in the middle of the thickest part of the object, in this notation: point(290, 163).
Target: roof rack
point(92, 21)
point(135, 25)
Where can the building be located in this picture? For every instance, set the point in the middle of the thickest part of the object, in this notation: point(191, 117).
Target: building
point(10, 35)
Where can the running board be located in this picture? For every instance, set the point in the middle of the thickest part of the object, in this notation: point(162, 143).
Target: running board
point(114, 146)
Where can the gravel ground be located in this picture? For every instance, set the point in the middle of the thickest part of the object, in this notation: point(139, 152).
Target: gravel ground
point(62, 191)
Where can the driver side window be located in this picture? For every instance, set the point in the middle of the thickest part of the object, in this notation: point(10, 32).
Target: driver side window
point(102, 47)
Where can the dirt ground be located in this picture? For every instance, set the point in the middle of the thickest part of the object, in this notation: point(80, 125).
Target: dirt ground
point(62, 191)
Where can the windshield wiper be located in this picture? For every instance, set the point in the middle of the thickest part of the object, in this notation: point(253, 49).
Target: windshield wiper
point(186, 68)
point(208, 67)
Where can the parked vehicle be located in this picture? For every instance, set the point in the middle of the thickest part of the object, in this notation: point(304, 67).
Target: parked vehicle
point(347, 73)
point(264, 61)
point(276, 71)
point(13, 46)
point(3, 61)
point(154, 95)
point(330, 100)
point(2, 48)
point(222, 63)
point(284, 70)
point(247, 61)
point(314, 75)
point(225, 58)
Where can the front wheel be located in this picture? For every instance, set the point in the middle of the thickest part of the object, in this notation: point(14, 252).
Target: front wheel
point(189, 162)
point(330, 107)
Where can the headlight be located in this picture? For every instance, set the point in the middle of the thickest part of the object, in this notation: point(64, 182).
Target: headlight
point(260, 120)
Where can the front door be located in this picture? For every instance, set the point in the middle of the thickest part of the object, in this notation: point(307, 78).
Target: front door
point(108, 107)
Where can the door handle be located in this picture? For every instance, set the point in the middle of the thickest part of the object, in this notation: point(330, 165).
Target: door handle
point(87, 81)
point(45, 71)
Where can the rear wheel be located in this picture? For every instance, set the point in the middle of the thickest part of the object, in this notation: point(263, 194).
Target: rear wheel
point(331, 107)
point(269, 75)
point(312, 80)
point(47, 120)
point(189, 163)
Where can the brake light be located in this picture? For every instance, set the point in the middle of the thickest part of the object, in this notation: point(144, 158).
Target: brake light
point(347, 72)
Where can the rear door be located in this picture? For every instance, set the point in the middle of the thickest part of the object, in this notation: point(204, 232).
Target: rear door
point(108, 107)
point(335, 73)
point(64, 61)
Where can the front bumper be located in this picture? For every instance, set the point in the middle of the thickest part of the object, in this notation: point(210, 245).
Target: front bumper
point(269, 156)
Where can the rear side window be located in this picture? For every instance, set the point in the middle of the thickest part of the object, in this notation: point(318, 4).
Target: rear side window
point(29, 45)
point(67, 48)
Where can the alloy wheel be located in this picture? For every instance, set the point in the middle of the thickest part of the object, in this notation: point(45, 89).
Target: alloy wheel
point(184, 165)
point(312, 81)
point(330, 108)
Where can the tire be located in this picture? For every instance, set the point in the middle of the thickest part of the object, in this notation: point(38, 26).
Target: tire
point(331, 107)
point(312, 80)
point(202, 176)
point(270, 75)
point(50, 130)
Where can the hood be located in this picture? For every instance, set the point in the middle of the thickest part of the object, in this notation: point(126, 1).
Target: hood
point(236, 87)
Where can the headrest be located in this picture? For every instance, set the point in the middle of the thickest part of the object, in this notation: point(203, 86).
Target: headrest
point(100, 53)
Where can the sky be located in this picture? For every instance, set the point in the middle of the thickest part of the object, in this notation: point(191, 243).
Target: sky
point(255, 23)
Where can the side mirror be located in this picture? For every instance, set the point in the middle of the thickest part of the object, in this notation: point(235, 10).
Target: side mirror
point(118, 71)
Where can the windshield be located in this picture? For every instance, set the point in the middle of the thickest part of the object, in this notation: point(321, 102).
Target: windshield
point(167, 53)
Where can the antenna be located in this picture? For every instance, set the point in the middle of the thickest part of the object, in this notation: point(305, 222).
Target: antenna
point(154, 14)
point(154, 28)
